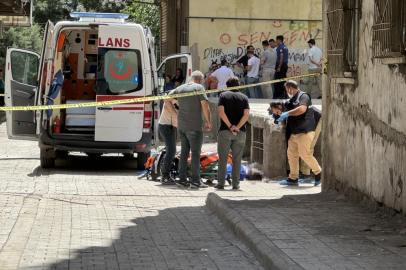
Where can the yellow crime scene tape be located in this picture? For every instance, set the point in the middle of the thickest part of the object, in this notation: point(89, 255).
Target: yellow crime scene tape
point(143, 99)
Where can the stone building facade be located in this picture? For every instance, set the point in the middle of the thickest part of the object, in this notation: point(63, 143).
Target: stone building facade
point(364, 115)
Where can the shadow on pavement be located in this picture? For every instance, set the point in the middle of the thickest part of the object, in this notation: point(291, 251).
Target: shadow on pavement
point(110, 165)
point(2, 117)
point(325, 230)
point(176, 238)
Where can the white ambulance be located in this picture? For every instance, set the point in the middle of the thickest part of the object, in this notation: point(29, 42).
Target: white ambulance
point(102, 58)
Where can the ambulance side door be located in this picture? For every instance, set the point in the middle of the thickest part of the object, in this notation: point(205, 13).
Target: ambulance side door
point(44, 70)
point(20, 88)
point(156, 103)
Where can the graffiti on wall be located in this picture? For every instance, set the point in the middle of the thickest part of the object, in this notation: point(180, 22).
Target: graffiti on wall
point(297, 58)
point(232, 45)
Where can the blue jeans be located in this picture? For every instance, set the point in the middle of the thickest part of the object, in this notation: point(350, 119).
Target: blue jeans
point(251, 90)
point(168, 134)
point(190, 140)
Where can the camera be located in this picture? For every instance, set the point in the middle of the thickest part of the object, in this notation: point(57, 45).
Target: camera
point(276, 117)
point(281, 105)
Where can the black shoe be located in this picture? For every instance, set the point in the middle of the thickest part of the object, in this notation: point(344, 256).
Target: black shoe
point(237, 187)
point(198, 184)
point(209, 183)
point(317, 179)
point(228, 181)
point(218, 187)
point(180, 183)
point(168, 181)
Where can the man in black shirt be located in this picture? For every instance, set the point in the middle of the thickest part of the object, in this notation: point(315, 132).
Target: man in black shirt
point(243, 64)
point(301, 125)
point(234, 111)
point(243, 61)
point(277, 108)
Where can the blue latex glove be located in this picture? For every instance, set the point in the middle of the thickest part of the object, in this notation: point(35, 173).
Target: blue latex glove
point(283, 116)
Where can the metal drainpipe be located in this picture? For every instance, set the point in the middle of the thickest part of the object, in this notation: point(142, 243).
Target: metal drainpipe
point(356, 34)
point(241, 19)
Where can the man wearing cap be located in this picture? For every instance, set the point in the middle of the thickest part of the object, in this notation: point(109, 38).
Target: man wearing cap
point(315, 66)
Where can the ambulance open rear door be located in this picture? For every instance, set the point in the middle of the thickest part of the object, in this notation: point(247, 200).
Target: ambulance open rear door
point(20, 88)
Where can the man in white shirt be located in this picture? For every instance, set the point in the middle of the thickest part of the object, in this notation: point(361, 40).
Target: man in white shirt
point(253, 76)
point(221, 76)
point(314, 88)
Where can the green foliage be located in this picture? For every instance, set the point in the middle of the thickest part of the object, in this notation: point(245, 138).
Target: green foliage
point(146, 15)
point(21, 37)
point(58, 10)
point(105, 6)
point(54, 11)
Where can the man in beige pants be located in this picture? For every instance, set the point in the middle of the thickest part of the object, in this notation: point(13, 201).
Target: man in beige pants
point(305, 176)
point(301, 125)
point(277, 108)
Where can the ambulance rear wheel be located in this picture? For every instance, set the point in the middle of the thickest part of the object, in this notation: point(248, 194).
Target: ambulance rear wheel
point(141, 160)
point(128, 156)
point(61, 154)
point(46, 162)
point(94, 155)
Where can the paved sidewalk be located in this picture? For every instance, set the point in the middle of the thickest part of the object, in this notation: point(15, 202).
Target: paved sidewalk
point(320, 231)
point(95, 214)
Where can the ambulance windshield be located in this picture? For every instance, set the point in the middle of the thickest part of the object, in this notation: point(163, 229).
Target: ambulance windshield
point(119, 71)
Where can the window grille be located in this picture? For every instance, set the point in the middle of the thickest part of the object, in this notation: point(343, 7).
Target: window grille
point(389, 28)
point(342, 36)
point(164, 29)
point(258, 146)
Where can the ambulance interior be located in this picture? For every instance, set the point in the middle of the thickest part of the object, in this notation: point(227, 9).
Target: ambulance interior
point(77, 57)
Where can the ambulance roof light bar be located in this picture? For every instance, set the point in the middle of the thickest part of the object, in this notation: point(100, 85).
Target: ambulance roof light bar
point(97, 17)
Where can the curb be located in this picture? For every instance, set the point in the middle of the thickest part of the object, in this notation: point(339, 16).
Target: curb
point(268, 255)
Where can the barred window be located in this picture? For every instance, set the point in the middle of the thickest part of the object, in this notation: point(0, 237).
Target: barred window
point(389, 29)
point(342, 36)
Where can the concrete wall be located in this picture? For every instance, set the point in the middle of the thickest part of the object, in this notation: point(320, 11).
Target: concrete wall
point(364, 126)
point(218, 38)
point(274, 162)
point(274, 139)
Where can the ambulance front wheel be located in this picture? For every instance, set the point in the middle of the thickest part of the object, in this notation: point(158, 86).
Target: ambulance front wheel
point(47, 159)
point(142, 159)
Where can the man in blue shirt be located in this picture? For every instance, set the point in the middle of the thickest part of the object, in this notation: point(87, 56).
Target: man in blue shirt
point(282, 54)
